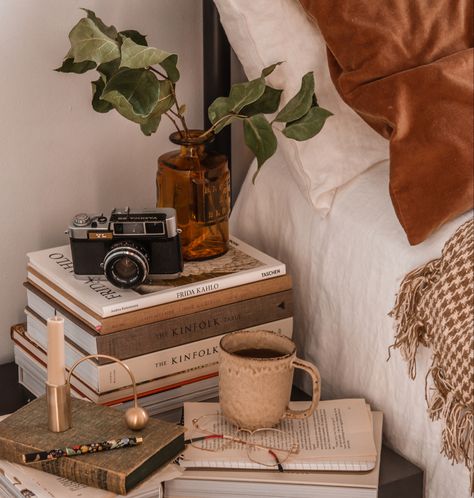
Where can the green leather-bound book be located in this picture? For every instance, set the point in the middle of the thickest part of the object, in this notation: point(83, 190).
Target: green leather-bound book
point(26, 431)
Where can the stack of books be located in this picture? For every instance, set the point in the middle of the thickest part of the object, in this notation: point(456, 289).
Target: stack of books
point(167, 332)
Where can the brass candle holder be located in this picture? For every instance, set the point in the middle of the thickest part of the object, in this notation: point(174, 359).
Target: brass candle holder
point(59, 401)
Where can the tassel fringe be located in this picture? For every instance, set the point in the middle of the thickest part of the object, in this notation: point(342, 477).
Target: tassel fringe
point(457, 437)
point(410, 329)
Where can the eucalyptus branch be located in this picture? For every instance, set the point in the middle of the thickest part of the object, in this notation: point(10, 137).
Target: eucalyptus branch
point(125, 64)
point(219, 121)
point(175, 100)
point(174, 113)
point(181, 117)
point(175, 123)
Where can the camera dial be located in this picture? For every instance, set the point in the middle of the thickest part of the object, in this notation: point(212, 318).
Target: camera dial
point(81, 220)
point(126, 265)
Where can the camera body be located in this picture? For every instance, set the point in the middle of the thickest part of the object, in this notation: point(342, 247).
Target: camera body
point(128, 248)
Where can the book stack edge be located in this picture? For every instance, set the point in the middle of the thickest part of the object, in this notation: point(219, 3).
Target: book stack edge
point(167, 332)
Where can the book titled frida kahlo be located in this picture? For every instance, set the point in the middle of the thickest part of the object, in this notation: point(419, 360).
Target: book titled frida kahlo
point(52, 271)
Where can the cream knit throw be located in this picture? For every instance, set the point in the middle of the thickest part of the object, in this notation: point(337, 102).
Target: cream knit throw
point(435, 308)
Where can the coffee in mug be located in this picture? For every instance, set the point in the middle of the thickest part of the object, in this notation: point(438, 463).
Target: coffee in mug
point(256, 377)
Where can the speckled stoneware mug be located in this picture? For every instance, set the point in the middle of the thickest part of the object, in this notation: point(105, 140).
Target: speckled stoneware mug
point(256, 376)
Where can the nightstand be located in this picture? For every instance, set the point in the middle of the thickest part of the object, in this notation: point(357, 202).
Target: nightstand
point(398, 477)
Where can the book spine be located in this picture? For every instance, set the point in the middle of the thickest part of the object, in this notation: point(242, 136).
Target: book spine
point(183, 329)
point(34, 361)
point(195, 304)
point(191, 290)
point(161, 364)
point(55, 294)
point(75, 311)
point(74, 469)
point(145, 367)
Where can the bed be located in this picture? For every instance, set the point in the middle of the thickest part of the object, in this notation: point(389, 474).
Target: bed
point(347, 253)
point(347, 269)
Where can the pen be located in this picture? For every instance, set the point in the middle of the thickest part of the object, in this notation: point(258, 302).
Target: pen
point(81, 449)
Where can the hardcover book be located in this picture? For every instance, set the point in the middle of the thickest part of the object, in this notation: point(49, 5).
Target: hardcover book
point(52, 271)
point(27, 351)
point(119, 470)
point(29, 359)
point(161, 335)
point(19, 481)
point(159, 364)
point(45, 305)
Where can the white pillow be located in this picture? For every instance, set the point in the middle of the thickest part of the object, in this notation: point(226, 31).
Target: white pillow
point(262, 32)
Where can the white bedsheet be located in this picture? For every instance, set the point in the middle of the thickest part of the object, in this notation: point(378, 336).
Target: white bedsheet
point(347, 269)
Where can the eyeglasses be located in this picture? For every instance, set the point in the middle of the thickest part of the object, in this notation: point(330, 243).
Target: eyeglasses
point(269, 447)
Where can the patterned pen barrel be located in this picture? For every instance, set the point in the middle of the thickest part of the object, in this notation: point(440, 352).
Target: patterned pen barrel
point(82, 449)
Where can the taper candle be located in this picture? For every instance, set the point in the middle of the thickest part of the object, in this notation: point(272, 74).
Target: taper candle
point(56, 371)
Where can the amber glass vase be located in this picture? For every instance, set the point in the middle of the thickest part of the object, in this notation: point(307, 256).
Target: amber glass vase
point(196, 182)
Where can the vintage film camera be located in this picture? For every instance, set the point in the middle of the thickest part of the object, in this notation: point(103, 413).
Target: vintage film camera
point(128, 248)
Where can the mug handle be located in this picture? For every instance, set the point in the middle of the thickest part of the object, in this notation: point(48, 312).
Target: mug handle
point(316, 378)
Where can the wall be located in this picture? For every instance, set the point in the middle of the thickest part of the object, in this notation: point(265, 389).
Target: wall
point(58, 156)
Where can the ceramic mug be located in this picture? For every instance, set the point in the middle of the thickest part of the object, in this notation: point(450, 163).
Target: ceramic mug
point(256, 377)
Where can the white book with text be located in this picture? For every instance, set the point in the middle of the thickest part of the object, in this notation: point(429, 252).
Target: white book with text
point(52, 271)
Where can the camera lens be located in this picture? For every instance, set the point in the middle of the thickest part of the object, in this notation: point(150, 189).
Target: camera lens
point(126, 265)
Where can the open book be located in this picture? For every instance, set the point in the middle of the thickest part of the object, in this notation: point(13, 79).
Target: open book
point(338, 436)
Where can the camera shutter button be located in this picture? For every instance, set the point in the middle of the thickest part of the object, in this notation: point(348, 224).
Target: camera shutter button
point(81, 220)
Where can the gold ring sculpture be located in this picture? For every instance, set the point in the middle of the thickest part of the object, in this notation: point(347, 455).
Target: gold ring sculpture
point(136, 417)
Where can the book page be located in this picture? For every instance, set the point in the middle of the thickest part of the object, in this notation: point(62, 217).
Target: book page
point(339, 431)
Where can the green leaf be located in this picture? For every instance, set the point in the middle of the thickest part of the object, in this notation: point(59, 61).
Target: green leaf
point(150, 125)
point(137, 56)
point(89, 43)
point(220, 112)
point(69, 66)
point(308, 126)
point(110, 31)
point(242, 94)
point(108, 69)
point(137, 37)
point(269, 69)
point(300, 104)
point(223, 109)
point(138, 87)
point(98, 104)
point(266, 104)
point(169, 65)
point(165, 102)
point(259, 137)
point(218, 109)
